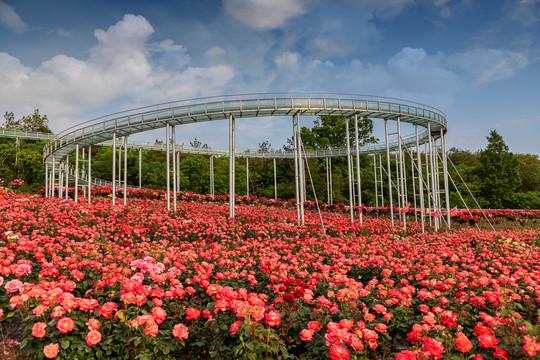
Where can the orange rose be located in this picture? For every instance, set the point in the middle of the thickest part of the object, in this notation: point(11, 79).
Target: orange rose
point(65, 325)
point(93, 337)
point(38, 330)
point(50, 351)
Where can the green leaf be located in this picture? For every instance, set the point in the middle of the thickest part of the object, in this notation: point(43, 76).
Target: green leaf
point(250, 346)
point(23, 344)
point(64, 343)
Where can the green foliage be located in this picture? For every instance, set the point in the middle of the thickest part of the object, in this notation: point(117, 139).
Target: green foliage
point(498, 172)
point(32, 123)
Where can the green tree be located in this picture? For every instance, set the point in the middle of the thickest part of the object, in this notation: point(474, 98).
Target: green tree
point(33, 123)
point(498, 172)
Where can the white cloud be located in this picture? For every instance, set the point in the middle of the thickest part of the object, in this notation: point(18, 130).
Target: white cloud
point(288, 61)
point(487, 65)
point(10, 19)
point(265, 14)
point(119, 69)
point(214, 52)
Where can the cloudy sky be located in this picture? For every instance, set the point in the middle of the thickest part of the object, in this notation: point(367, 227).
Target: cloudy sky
point(476, 60)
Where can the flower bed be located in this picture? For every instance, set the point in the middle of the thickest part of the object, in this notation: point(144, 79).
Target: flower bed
point(102, 282)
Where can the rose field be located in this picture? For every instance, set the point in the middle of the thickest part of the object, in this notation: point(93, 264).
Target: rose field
point(82, 281)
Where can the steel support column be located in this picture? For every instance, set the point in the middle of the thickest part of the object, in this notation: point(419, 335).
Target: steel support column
point(358, 181)
point(114, 169)
point(275, 180)
point(349, 169)
point(389, 173)
point(375, 180)
point(420, 180)
point(125, 170)
point(212, 175)
point(445, 175)
point(173, 149)
point(380, 177)
point(433, 188)
point(46, 180)
point(296, 172)
point(402, 175)
point(302, 178)
point(90, 174)
point(67, 177)
point(140, 167)
point(76, 173)
point(168, 135)
point(247, 176)
point(232, 190)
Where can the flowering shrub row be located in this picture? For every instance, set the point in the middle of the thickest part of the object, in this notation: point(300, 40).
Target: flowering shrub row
point(95, 281)
point(471, 216)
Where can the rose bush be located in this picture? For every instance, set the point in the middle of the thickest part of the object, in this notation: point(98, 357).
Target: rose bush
point(102, 282)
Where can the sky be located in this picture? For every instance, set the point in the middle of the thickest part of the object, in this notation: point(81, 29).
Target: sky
point(477, 61)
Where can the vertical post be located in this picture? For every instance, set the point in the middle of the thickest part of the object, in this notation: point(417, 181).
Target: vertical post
point(402, 173)
point(140, 167)
point(168, 179)
point(114, 169)
point(119, 164)
point(375, 177)
point(358, 183)
point(428, 178)
point(381, 180)
point(275, 180)
point(17, 145)
point(436, 185)
point(178, 170)
point(302, 179)
point(125, 170)
point(296, 172)
point(212, 175)
point(331, 182)
point(67, 177)
point(327, 182)
point(433, 188)
point(231, 167)
point(53, 174)
point(413, 185)
point(420, 180)
point(445, 175)
point(90, 174)
point(76, 173)
point(82, 170)
point(61, 180)
point(247, 176)
point(174, 165)
point(349, 169)
point(391, 204)
point(46, 180)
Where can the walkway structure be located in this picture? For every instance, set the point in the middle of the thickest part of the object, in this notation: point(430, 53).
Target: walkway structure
point(430, 129)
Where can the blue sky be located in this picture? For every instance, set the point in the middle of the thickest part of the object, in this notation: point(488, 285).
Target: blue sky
point(477, 61)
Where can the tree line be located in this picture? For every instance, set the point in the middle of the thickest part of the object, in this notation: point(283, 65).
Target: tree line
point(497, 177)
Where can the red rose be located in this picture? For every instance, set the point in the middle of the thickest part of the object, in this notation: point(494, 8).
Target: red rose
point(435, 347)
point(65, 325)
point(93, 338)
point(306, 335)
point(38, 330)
point(488, 341)
point(405, 355)
point(192, 314)
point(180, 331)
point(463, 343)
point(50, 351)
point(234, 327)
point(339, 352)
point(272, 318)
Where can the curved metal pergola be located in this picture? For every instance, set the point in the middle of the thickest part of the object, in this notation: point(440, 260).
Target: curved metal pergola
point(430, 124)
point(246, 106)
